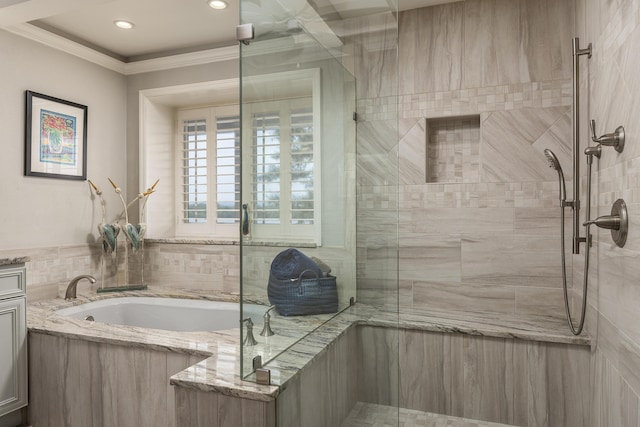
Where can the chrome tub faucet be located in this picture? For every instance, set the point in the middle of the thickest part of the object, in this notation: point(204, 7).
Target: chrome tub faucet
point(73, 284)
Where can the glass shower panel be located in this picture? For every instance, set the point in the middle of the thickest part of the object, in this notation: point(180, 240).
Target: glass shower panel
point(372, 43)
point(298, 169)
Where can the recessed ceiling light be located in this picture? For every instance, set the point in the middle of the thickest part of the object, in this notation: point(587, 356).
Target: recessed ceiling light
point(218, 4)
point(125, 25)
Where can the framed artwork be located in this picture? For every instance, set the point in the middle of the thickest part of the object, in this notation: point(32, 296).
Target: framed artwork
point(55, 138)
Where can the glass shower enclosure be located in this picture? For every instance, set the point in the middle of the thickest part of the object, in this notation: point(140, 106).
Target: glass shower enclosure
point(324, 180)
point(298, 166)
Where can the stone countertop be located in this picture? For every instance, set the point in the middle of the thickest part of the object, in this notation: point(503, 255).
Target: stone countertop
point(12, 261)
point(524, 327)
point(222, 348)
point(530, 328)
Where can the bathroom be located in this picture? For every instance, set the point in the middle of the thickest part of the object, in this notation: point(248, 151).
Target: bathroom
point(477, 233)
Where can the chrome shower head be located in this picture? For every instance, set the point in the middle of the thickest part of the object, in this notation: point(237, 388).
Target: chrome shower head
point(554, 163)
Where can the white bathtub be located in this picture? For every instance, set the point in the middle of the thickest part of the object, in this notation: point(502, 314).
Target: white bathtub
point(170, 314)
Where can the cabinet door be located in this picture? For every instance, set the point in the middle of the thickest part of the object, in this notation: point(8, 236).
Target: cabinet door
point(12, 282)
point(13, 355)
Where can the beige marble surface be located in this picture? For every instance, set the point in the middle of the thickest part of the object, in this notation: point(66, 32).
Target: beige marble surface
point(610, 94)
point(373, 415)
point(12, 261)
point(195, 241)
point(220, 370)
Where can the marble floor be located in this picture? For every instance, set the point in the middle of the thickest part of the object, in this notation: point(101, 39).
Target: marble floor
point(372, 415)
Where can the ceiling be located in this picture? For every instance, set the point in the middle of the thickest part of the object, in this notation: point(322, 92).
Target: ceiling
point(168, 27)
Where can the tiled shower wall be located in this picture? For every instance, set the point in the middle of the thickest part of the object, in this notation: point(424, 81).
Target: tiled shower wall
point(371, 55)
point(485, 237)
point(610, 94)
point(453, 149)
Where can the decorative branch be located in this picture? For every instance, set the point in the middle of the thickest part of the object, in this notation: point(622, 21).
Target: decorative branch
point(108, 232)
point(130, 232)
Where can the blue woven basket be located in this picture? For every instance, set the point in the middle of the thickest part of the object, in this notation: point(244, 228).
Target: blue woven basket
point(289, 263)
point(303, 296)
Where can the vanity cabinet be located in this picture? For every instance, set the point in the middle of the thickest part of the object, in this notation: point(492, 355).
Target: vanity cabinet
point(13, 338)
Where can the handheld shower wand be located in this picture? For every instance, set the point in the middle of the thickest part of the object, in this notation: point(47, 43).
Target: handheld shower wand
point(554, 163)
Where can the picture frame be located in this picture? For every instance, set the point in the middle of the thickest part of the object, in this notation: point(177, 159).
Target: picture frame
point(55, 137)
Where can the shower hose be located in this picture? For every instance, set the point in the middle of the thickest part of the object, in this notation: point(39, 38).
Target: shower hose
point(585, 279)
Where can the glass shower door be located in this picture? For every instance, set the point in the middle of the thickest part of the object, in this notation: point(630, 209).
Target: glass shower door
point(322, 179)
point(298, 176)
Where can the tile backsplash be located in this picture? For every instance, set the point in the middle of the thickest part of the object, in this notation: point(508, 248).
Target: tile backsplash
point(484, 88)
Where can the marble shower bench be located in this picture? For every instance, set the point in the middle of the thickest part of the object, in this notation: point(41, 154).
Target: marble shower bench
point(451, 364)
point(455, 364)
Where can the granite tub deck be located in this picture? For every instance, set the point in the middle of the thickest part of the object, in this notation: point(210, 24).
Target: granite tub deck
point(12, 261)
point(219, 369)
point(217, 348)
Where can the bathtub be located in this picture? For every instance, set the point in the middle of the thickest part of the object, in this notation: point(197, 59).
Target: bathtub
point(170, 314)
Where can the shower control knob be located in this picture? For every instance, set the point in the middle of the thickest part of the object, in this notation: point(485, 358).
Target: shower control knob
point(615, 139)
point(617, 222)
point(610, 222)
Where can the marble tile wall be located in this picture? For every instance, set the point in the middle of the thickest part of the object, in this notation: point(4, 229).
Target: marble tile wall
point(484, 43)
point(51, 269)
point(186, 266)
point(554, 93)
point(371, 45)
point(324, 392)
point(378, 366)
point(193, 266)
point(453, 149)
point(82, 383)
point(195, 408)
point(513, 144)
point(523, 383)
point(610, 94)
point(487, 238)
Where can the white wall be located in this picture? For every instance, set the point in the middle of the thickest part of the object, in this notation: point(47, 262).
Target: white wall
point(42, 212)
point(161, 79)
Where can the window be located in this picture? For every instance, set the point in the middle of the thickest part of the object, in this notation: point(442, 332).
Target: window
point(208, 170)
point(281, 181)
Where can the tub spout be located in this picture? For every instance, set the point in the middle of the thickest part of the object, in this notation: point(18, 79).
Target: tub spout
point(73, 284)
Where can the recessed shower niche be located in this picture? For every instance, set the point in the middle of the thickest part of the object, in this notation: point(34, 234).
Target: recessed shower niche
point(453, 149)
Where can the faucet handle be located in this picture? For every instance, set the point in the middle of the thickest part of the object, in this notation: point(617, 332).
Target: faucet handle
point(266, 329)
point(249, 339)
point(611, 222)
point(615, 139)
point(592, 126)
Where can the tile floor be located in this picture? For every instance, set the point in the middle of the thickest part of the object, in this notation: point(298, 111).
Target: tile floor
point(372, 415)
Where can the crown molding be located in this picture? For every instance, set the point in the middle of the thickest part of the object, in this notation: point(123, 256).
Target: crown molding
point(55, 41)
point(220, 54)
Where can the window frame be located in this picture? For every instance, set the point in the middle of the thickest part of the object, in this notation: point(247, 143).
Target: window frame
point(211, 228)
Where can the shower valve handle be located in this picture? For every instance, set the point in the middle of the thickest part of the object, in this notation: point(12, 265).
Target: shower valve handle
point(610, 222)
point(617, 222)
point(615, 139)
